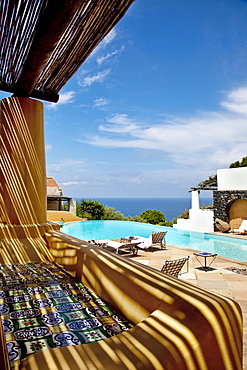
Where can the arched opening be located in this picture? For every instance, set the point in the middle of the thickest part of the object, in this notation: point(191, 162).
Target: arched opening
point(237, 212)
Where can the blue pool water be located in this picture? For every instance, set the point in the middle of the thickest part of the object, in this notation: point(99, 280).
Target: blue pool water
point(222, 245)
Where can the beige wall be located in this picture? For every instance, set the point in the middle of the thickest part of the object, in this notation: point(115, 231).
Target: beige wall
point(23, 172)
point(59, 215)
point(22, 178)
point(238, 209)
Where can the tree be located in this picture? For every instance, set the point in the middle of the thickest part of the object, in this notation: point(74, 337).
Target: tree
point(138, 218)
point(166, 223)
point(184, 214)
point(237, 164)
point(92, 209)
point(66, 206)
point(153, 216)
point(111, 214)
point(78, 210)
point(209, 182)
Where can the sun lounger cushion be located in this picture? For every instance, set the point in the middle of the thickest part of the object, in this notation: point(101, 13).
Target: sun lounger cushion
point(243, 227)
point(42, 306)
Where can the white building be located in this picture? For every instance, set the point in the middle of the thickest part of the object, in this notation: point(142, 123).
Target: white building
point(229, 200)
point(55, 198)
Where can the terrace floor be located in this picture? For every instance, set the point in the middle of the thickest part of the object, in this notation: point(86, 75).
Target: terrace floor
point(218, 280)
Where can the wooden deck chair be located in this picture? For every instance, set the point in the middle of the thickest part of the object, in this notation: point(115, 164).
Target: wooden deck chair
point(158, 239)
point(102, 245)
point(174, 267)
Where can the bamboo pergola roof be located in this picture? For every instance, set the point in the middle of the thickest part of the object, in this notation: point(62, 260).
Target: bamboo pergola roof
point(44, 42)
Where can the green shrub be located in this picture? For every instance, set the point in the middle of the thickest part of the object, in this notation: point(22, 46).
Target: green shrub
point(153, 216)
point(93, 208)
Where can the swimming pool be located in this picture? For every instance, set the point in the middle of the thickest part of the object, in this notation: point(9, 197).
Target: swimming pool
point(222, 245)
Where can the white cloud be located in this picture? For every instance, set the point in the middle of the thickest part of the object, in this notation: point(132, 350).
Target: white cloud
point(120, 123)
point(69, 183)
point(67, 166)
point(64, 98)
point(107, 40)
point(102, 59)
point(208, 139)
point(100, 102)
point(237, 101)
point(48, 147)
point(110, 37)
point(98, 77)
point(55, 168)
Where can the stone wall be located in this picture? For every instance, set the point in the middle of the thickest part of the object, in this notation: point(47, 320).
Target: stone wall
point(222, 201)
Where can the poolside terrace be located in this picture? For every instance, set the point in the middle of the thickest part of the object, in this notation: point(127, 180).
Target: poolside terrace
point(218, 280)
point(151, 300)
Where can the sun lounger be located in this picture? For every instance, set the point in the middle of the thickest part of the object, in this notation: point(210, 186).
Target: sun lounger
point(153, 241)
point(117, 247)
point(174, 267)
point(242, 228)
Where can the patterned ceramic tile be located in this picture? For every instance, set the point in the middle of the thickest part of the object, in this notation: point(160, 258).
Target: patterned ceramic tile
point(42, 306)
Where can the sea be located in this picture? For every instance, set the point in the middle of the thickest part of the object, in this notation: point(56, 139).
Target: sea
point(171, 207)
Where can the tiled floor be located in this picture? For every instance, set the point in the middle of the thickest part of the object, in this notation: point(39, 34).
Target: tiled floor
point(219, 280)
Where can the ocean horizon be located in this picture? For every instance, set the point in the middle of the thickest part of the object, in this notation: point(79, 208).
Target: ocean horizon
point(171, 207)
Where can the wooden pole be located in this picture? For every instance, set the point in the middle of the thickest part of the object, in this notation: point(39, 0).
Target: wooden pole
point(22, 162)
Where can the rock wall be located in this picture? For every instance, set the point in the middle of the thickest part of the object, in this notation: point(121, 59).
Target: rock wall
point(223, 200)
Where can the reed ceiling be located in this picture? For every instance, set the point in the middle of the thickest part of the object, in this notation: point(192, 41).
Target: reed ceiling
point(44, 42)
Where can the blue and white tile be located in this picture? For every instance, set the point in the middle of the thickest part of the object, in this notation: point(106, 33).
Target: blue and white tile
point(52, 319)
point(4, 309)
point(83, 324)
point(68, 307)
point(24, 313)
point(32, 333)
point(14, 350)
point(8, 326)
point(65, 339)
point(42, 302)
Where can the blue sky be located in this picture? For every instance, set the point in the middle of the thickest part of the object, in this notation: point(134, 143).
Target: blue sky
point(159, 106)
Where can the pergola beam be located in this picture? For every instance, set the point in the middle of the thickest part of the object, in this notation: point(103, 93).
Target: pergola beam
point(50, 27)
point(208, 188)
point(37, 94)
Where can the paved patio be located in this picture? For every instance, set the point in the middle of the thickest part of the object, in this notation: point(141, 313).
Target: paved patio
point(218, 280)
